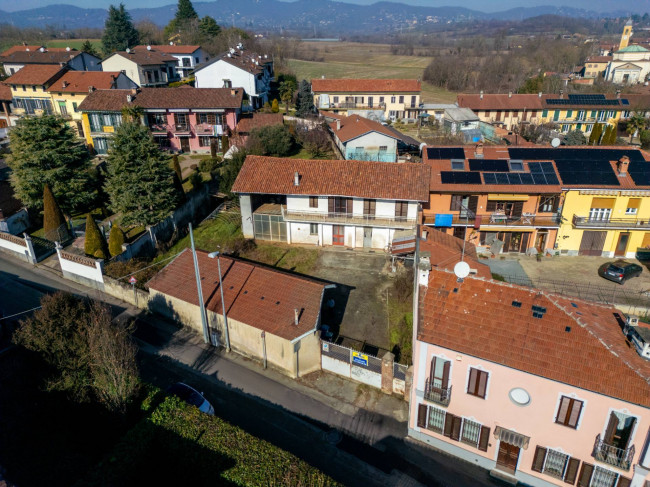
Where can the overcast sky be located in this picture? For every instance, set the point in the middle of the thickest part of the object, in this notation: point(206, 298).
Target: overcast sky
point(634, 6)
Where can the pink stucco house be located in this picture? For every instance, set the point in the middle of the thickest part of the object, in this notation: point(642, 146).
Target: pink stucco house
point(537, 388)
point(181, 119)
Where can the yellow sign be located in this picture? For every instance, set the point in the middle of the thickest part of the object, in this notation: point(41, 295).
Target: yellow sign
point(108, 128)
point(359, 359)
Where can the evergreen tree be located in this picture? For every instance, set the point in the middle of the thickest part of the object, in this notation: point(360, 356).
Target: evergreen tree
point(286, 92)
point(596, 133)
point(45, 150)
point(178, 179)
point(575, 137)
point(119, 32)
point(185, 11)
point(305, 102)
point(230, 171)
point(94, 242)
point(88, 47)
point(208, 28)
point(275, 106)
point(54, 224)
point(609, 137)
point(116, 240)
point(177, 167)
point(140, 182)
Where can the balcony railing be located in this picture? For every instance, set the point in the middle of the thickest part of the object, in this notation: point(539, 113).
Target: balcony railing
point(629, 222)
point(618, 457)
point(524, 220)
point(180, 128)
point(351, 104)
point(348, 218)
point(439, 395)
point(158, 128)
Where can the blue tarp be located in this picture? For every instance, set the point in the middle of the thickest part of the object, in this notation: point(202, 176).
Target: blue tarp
point(443, 220)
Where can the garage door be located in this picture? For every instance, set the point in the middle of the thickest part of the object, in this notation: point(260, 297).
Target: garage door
point(592, 243)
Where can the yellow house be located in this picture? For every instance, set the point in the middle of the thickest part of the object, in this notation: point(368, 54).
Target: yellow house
point(71, 89)
point(596, 66)
point(606, 202)
point(377, 99)
point(29, 88)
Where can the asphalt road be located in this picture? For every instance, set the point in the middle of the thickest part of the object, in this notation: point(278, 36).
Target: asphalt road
point(273, 411)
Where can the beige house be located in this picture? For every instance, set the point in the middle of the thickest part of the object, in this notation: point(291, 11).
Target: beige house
point(376, 99)
point(269, 313)
point(147, 67)
point(596, 66)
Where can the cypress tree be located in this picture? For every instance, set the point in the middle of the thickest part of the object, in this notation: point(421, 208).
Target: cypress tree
point(95, 243)
point(305, 100)
point(119, 32)
point(596, 133)
point(177, 167)
point(116, 240)
point(53, 218)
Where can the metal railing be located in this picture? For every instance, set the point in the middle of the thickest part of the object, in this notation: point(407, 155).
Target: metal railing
point(439, 395)
point(623, 222)
point(180, 127)
point(351, 104)
point(200, 129)
point(158, 128)
point(351, 218)
point(508, 221)
point(618, 457)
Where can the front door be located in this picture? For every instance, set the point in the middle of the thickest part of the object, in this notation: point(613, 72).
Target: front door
point(592, 243)
point(508, 456)
point(621, 246)
point(367, 237)
point(185, 144)
point(338, 235)
point(540, 242)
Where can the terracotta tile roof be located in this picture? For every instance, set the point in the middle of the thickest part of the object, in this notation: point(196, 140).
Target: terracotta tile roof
point(351, 85)
point(50, 56)
point(19, 48)
point(361, 179)
point(599, 59)
point(80, 81)
point(356, 126)
point(499, 101)
point(446, 251)
point(170, 49)
point(245, 60)
point(258, 296)
point(114, 100)
point(143, 57)
point(479, 319)
point(36, 74)
point(258, 120)
point(5, 92)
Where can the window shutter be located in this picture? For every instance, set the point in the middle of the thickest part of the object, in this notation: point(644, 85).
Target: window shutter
point(472, 204)
point(563, 410)
point(484, 438)
point(455, 428)
point(572, 471)
point(538, 459)
point(491, 206)
point(445, 374)
point(433, 369)
point(422, 415)
point(585, 475)
point(611, 428)
point(631, 429)
point(574, 416)
point(348, 205)
point(482, 383)
point(517, 208)
point(330, 204)
point(471, 387)
point(623, 482)
point(449, 420)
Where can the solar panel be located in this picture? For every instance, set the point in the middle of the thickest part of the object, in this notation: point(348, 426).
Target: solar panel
point(445, 153)
point(489, 178)
point(583, 100)
point(516, 178)
point(492, 165)
point(457, 177)
point(625, 101)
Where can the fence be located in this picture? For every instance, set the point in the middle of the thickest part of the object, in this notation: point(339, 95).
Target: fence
point(81, 269)
point(365, 368)
point(19, 247)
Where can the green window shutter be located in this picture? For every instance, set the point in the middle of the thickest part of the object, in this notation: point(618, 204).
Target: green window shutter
point(544, 113)
point(569, 113)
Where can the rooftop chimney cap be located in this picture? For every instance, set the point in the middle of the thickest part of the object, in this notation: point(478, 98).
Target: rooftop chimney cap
point(65, 83)
point(296, 316)
point(622, 166)
point(338, 124)
point(296, 178)
point(128, 51)
point(481, 94)
point(91, 89)
point(129, 98)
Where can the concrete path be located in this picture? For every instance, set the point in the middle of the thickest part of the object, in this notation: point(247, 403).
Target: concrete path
point(510, 269)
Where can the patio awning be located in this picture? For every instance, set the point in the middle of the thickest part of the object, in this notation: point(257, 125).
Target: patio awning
point(511, 437)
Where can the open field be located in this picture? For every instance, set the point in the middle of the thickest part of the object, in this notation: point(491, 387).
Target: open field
point(362, 60)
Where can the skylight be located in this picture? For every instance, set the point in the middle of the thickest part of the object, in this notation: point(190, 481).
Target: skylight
point(458, 164)
point(516, 165)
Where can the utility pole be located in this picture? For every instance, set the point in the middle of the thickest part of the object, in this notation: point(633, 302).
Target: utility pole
point(204, 320)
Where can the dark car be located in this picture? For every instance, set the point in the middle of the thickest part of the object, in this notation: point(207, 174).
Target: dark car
point(191, 396)
point(619, 271)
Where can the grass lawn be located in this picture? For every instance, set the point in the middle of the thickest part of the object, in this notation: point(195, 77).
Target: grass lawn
point(303, 154)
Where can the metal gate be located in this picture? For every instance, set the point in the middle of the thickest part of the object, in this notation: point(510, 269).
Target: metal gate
point(592, 243)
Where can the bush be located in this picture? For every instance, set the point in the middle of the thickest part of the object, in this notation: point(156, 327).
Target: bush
point(195, 179)
point(275, 106)
point(95, 243)
point(115, 240)
point(645, 139)
point(209, 165)
point(275, 140)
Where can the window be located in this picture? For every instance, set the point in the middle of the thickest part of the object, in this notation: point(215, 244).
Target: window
point(337, 204)
point(436, 419)
point(600, 214)
point(313, 229)
point(269, 227)
point(477, 385)
point(313, 201)
point(75, 107)
point(383, 148)
point(458, 164)
point(196, 60)
point(33, 88)
point(470, 433)
point(626, 114)
point(401, 210)
point(581, 115)
point(24, 88)
point(381, 99)
point(556, 464)
point(544, 113)
point(369, 207)
point(566, 127)
point(227, 83)
point(548, 204)
point(568, 412)
point(208, 118)
point(335, 99)
point(413, 101)
point(516, 165)
point(187, 62)
point(205, 141)
point(393, 99)
point(633, 206)
point(569, 113)
point(401, 99)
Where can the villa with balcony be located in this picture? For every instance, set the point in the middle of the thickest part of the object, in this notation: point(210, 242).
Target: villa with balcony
point(180, 119)
point(353, 204)
point(483, 389)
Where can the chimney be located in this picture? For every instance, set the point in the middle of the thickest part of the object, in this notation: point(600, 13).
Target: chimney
point(510, 94)
point(539, 94)
point(618, 94)
point(480, 95)
point(148, 48)
point(91, 89)
point(478, 150)
point(129, 98)
point(338, 125)
point(561, 93)
point(233, 92)
point(134, 91)
point(296, 178)
point(65, 84)
point(296, 315)
point(622, 165)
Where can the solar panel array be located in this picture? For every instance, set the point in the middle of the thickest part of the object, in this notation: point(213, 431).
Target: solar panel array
point(445, 153)
point(496, 165)
point(541, 173)
point(583, 100)
point(457, 177)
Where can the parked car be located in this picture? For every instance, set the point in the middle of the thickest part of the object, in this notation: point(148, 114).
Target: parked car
point(191, 396)
point(619, 271)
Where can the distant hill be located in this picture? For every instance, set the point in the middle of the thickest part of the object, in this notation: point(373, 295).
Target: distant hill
point(325, 16)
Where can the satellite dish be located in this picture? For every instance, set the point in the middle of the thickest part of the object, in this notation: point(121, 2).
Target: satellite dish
point(461, 270)
point(555, 142)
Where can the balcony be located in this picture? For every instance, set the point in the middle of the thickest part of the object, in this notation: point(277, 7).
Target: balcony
point(207, 129)
point(612, 455)
point(347, 219)
point(181, 128)
point(625, 223)
point(353, 105)
point(439, 395)
point(492, 220)
point(158, 128)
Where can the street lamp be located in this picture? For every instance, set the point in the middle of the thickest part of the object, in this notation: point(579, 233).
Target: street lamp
point(212, 255)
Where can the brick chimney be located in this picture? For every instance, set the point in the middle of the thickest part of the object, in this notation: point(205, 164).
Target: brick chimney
point(338, 125)
point(233, 92)
point(134, 91)
point(65, 84)
point(480, 95)
point(510, 94)
point(296, 178)
point(622, 165)
point(539, 94)
point(478, 150)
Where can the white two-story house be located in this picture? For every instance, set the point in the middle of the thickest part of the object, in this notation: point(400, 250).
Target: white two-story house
point(146, 66)
point(238, 67)
point(353, 204)
point(189, 57)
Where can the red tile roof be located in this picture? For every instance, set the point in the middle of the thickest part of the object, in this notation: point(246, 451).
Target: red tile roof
point(255, 295)
point(170, 49)
point(5, 92)
point(249, 61)
point(361, 179)
point(49, 56)
point(599, 59)
point(19, 48)
point(144, 57)
point(447, 250)
point(356, 126)
point(80, 81)
point(478, 319)
point(36, 74)
point(258, 120)
point(350, 85)
point(114, 100)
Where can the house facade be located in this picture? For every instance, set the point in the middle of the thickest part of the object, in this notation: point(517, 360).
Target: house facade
point(180, 119)
point(16, 58)
point(630, 65)
point(491, 398)
point(239, 68)
point(353, 204)
point(29, 89)
point(7, 117)
point(188, 57)
point(146, 67)
point(271, 315)
point(596, 66)
point(362, 139)
point(376, 99)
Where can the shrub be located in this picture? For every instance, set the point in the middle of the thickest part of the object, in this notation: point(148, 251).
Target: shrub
point(275, 106)
point(194, 167)
point(195, 179)
point(116, 240)
point(95, 243)
point(209, 165)
point(53, 219)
